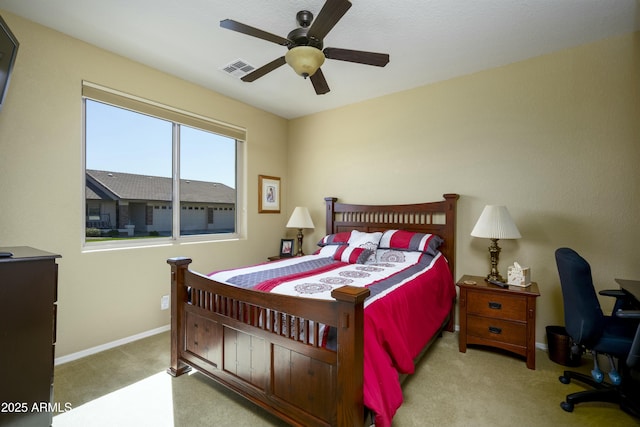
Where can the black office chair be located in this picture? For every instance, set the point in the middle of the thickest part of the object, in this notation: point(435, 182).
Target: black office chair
point(591, 330)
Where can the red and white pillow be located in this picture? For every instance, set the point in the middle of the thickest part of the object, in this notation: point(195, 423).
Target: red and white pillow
point(352, 255)
point(355, 247)
point(403, 240)
point(359, 247)
point(335, 239)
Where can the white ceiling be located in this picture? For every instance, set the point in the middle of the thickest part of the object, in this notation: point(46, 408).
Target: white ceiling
point(427, 40)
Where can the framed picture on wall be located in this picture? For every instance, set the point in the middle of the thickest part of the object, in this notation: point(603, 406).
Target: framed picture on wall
point(286, 248)
point(268, 194)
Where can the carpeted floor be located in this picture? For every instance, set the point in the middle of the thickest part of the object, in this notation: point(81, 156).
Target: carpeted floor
point(128, 386)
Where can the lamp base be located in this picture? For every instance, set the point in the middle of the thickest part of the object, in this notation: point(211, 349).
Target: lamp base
point(299, 253)
point(494, 256)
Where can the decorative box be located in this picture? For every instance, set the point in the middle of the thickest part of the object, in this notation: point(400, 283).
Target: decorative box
point(518, 276)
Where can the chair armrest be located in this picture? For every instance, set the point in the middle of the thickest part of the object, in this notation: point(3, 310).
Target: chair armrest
point(628, 314)
point(616, 293)
point(624, 300)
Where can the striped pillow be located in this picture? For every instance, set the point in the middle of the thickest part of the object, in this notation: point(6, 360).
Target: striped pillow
point(353, 246)
point(410, 241)
point(335, 239)
point(359, 239)
point(352, 255)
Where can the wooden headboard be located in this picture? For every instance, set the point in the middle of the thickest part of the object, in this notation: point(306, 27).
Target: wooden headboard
point(431, 217)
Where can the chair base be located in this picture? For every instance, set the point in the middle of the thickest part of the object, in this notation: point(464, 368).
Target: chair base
point(627, 395)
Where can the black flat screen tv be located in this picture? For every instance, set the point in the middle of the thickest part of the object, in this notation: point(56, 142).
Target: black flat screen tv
point(8, 51)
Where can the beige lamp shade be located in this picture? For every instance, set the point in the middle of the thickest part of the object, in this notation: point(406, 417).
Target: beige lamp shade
point(305, 60)
point(300, 218)
point(495, 223)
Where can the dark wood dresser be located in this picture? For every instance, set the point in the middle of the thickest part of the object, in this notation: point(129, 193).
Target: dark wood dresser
point(28, 295)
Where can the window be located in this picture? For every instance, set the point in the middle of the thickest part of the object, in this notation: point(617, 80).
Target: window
point(152, 171)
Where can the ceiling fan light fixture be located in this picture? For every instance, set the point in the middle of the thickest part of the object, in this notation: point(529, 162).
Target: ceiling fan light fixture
point(305, 60)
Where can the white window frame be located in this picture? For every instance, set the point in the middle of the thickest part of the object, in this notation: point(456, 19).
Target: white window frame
point(136, 104)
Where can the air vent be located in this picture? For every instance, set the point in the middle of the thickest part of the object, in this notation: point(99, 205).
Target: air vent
point(238, 68)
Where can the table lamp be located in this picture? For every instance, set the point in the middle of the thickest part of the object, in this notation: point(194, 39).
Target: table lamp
point(300, 219)
point(495, 223)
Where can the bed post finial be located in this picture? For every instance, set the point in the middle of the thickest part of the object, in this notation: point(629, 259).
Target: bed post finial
point(452, 197)
point(330, 214)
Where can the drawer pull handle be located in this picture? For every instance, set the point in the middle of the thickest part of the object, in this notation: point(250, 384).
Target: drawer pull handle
point(495, 305)
point(495, 330)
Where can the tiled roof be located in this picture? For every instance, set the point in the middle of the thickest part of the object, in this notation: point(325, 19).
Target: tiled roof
point(128, 186)
point(91, 195)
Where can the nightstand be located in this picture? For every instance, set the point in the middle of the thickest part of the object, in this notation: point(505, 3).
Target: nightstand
point(274, 258)
point(498, 317)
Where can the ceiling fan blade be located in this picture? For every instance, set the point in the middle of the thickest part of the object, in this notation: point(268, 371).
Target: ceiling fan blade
point(319, 83)
point(254, 75)
point(328, 17)
point(232, 25)
point(359, 56)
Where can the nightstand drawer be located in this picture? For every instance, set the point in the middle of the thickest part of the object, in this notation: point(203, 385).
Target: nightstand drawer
point(497, 330)
point(501, 306)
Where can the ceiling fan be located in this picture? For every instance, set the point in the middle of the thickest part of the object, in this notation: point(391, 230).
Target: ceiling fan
point(305, 54)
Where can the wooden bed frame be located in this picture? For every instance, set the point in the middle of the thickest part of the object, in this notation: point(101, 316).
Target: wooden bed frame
point(231, 335)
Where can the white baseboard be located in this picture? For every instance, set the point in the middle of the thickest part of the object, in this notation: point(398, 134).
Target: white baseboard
point(542, 346)
point(110, 345)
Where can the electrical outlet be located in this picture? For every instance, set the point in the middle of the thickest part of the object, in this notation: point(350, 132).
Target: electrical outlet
point(164, 302)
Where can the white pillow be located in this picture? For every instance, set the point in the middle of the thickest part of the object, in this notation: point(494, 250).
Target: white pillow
point(360, 239)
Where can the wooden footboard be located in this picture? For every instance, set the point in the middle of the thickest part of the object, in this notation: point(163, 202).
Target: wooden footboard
point(271, 354)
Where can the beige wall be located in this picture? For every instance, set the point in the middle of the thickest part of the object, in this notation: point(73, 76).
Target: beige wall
point(556, 139)
point(107, 296)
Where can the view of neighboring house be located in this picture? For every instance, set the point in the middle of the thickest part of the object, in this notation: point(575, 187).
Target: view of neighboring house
point(116, 200)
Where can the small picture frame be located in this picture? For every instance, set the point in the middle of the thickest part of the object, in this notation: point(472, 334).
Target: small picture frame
point(268, 194)
point(286, 248)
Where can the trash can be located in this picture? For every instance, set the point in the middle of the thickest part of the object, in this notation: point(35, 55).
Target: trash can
point(560, 346)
